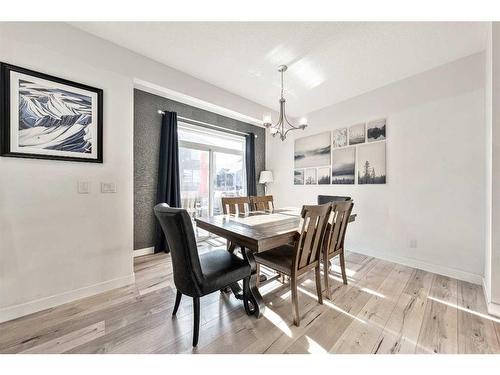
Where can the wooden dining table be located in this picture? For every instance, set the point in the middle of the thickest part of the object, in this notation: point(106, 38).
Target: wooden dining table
point(254, 232)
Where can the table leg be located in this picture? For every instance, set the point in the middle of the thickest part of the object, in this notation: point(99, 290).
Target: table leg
point(255, 303)
point(235, 287)
point(230, 246)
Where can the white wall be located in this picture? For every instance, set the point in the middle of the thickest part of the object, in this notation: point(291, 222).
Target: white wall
point(435, 169)
point(57, 245)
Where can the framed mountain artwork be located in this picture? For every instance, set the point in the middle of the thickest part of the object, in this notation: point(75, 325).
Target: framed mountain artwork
point(46, 117)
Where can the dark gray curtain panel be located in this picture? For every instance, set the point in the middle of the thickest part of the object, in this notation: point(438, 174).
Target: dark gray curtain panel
point(250, 164)
point(169, 189)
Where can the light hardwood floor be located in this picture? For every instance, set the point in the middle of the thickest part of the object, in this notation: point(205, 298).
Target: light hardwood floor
point(386, 308)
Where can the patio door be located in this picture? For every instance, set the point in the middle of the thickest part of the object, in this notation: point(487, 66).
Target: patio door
point(212, 166)
point(228, 177)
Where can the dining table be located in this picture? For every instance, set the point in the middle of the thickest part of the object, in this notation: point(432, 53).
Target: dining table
point(255, 232)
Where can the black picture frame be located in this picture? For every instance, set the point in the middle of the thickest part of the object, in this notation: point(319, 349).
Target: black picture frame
point(5, 115)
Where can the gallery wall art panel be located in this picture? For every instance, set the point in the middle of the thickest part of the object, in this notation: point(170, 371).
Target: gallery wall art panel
point(310, 176)
point(343, 166)
point(298, 177)
point(313, 151)
point(357, 134)
point(375, 130)
point(324, 176)
point(46, 117)
point(356, 150)
point(372, 163)
point(339, 138)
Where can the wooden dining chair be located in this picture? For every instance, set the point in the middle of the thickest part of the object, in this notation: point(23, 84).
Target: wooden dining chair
point(198, 275)
point(262, 203)
point(304, 255)
point(333, 243)
point(234, 205)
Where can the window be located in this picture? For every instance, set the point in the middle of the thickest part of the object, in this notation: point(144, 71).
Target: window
point(212, 166)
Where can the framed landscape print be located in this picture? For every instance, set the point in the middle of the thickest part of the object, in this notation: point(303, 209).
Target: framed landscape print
point(371, 163)
point(298, 177)
point(375, 130)
point(343, 166)
point(310, 176)
point(312, 151)
point(357, 134)
point(46, 117)
point(324, 176)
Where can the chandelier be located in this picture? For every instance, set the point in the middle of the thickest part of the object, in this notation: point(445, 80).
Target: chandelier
point(283, 126)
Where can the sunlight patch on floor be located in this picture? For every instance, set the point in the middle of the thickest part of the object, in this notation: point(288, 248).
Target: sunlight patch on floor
point(314, 347)
point(370, 291)
point(485, 316)
point(339, 278)
point(337, 269)
point(286, 294)
point(269, 288)
point(277, 321)
point(331, 305)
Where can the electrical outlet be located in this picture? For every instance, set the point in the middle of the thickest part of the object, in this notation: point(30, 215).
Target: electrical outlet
point(83, 187)
point(413, 244)
point(108, 187)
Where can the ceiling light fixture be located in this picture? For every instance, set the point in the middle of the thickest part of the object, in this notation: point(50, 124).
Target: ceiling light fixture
point(283, 126)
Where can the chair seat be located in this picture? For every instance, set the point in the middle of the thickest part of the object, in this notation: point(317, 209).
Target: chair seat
point(221, 268)
point(279, 259)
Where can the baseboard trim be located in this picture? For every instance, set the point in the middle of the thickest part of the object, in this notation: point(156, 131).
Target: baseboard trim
point(17, 311)
point(145, 251)
point(434, 268)
point(493, 309)
point(486, 291)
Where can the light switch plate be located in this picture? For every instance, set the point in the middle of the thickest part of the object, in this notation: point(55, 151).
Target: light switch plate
point(83, 187)
point(108, 187)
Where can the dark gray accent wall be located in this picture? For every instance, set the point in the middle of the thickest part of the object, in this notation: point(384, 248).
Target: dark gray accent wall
point(147, 123)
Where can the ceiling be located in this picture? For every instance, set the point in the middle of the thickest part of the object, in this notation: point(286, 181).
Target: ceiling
point(328, 61)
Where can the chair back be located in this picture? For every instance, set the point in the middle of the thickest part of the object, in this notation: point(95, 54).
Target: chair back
point(234, 205)
point(322, 199)
point(179, 234)
point(262, 203)
point(188, 203)
point(308, 246)
point(341, 211)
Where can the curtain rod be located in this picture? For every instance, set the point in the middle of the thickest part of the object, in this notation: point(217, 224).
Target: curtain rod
point(207, 124)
